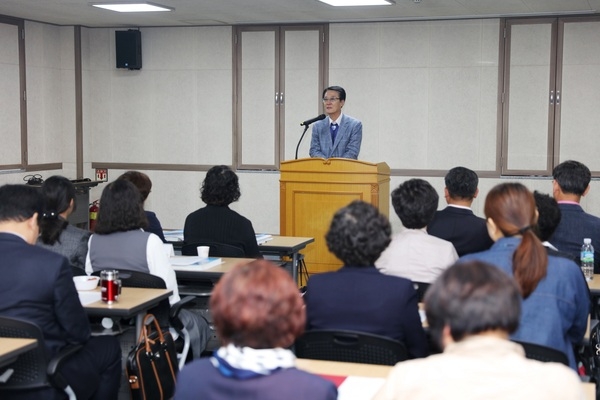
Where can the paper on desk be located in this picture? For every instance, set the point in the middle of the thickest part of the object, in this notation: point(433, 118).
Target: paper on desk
point(173, 235)
point(196, 262)
point(359, 387)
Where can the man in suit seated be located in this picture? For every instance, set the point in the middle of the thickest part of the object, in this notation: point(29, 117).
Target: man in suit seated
point(413, 254)
point(572, 182)
point(456, 223)
point(339, 135)
point(358, 297)
point(471, 310)
point(37, 286)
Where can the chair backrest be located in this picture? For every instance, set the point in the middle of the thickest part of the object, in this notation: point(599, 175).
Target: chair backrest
point(421, 288)
point(543, 353)
point(349, 346)
point(30, 367)
point(77, 271)
point(216, 249)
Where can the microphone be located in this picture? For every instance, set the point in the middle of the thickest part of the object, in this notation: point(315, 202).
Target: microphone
point(315, 119)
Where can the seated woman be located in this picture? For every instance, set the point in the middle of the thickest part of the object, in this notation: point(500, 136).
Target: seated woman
point(217, 222)
point(120, 242)
point(258, 313)
point(56, 233)
point(144, 185)
point(555, 298)
point(358, 297)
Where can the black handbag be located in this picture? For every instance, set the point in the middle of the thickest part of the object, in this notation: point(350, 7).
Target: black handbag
point(152, 365)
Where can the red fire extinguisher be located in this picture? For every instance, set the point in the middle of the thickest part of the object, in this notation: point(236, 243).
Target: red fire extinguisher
point(94, 207)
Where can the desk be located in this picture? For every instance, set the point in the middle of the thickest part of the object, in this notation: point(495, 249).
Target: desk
point(380, 371)
point(286, 246)
point(132, 302)
point(212, 274)
point(11, 348)
point(281, 246)
point(594, 285)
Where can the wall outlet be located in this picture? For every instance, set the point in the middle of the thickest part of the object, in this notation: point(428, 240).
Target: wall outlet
point(102, 174)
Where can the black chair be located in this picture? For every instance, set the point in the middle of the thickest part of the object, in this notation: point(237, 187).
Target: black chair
point(421, 289)
point(349, 346)
point(32, 370)
point(165, 313)
point(216, 249)
point(543, 353)
point(77, 271)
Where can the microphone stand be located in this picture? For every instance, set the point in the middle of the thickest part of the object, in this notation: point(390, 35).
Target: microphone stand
point(300, 141)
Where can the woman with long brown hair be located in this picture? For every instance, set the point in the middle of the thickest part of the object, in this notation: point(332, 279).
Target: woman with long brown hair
point(555, 301)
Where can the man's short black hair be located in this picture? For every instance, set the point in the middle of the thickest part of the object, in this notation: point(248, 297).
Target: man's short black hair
point(549, 215)
point(461, 183)
point(472, 297)
point(339, 89)
point(415, 202)
point(19, 202)
point(358, 234)
point(573, 177)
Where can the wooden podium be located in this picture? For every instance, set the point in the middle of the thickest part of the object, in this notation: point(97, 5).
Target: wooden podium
point(313, 189)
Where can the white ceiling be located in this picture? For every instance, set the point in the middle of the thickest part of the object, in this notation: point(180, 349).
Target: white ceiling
point(236, 12)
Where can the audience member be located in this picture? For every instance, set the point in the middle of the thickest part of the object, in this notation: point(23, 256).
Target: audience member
point(217, 222)
point(471, 310)
point(548, 219)
point(258, 313)
point(120, 242)
point(555, 298)
point(413, 254)
point(338, 135)
point(572, 182)
point(358, 297)
point(456, 223)
point(144, 185)
point(37, 286)
point(56, 233)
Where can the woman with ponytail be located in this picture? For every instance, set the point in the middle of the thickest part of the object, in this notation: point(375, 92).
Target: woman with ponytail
point(555, 301)
point(55, 232)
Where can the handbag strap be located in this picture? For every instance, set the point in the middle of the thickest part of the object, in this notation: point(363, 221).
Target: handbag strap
point(146, 331)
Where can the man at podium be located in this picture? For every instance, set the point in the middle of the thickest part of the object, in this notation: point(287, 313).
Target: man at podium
point(339, 135)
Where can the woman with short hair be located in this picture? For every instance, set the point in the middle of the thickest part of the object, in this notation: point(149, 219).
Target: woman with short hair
point(217, 222)
point(258, 313)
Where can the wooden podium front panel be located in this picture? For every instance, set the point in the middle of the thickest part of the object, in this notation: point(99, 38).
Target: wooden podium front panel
point(312, 190)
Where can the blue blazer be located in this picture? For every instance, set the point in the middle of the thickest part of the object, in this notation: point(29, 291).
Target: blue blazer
point(37, 286)
point(347, 141)
point(467, 232)
point(201, 380)
point(365, 300)
point(575, 225)
point(555, 314)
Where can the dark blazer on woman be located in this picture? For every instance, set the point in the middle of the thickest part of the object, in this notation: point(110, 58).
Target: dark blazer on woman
point(223, 225)
point(363, 299)
point(200, 379)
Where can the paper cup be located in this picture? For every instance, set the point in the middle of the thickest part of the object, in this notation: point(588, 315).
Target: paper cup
point(203, 252)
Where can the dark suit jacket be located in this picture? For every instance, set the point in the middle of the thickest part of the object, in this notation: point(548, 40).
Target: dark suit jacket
point(467, 232)
point(347, 141)
point(575, 225)
point(200, 379)
point(223, 225)
point(154, 226)
point(363, 299)
point(37, 286)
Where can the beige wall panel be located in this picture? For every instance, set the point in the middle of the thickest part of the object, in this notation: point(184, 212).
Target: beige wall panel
point(10, 128)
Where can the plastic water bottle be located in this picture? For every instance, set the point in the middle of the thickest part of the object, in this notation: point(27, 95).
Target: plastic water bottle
point(587, 259)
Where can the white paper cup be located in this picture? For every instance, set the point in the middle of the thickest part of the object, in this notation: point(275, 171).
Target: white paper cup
point(203, 252)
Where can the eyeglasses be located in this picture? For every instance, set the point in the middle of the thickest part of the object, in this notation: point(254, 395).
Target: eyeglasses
point(330, 100)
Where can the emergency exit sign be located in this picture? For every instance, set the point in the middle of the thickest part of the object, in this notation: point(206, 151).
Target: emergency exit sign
point(102, 174)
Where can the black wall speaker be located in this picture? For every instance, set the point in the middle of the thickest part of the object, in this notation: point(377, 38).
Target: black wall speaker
point(129, 49)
